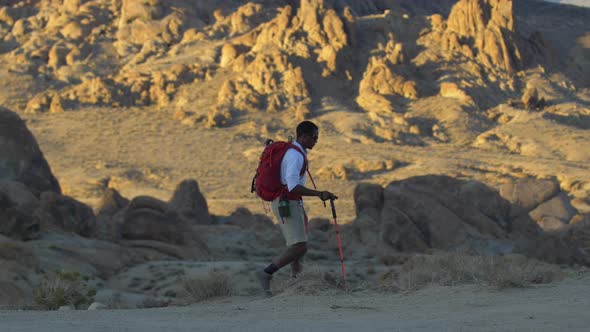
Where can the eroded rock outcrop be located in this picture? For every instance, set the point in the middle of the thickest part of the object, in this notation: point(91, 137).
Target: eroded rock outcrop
point(21, 159)
point(542, 199)
point(442, 213)
point(190, 203)
point(312, 34)
point(270, 83)
point(14, 222)
point(65, 213)
point(485, 29)
point(17, 276)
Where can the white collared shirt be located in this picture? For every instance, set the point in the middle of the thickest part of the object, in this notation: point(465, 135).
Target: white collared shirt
point(291, 167)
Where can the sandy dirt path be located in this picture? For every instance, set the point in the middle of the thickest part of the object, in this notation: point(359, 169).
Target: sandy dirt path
point(560, 306)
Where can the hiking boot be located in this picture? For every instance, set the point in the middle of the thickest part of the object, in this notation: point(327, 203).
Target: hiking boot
point(264, 279)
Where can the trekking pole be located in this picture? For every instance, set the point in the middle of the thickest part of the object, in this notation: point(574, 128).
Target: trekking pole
point(339, 242)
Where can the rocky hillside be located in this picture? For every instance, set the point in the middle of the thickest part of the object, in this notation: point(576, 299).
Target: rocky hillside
point(285, 57)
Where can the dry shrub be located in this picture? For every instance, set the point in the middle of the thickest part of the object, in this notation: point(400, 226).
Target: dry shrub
point(63, 288)
point(311, 282)
point(215, 284)
point(450, 269)
point(152, 302)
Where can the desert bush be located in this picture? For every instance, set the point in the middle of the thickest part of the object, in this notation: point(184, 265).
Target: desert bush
point(151, 302)
point(63, 288)
point(215, 284)
point(449, 269)
point(116, 302)
point(314, 280)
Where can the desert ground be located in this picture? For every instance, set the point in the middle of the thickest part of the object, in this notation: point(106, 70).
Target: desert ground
point(455, 134)
point(460, 308)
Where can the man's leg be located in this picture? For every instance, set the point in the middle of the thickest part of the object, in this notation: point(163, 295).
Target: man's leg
point(293, 254)
point(296, 267)
point(295, 234)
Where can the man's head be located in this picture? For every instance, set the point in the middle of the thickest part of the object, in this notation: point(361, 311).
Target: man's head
point(307, 134)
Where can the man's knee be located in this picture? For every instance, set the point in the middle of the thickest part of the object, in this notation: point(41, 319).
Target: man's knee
point(300, 248)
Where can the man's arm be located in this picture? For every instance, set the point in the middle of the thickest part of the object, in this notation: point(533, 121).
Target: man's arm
point(303, 191)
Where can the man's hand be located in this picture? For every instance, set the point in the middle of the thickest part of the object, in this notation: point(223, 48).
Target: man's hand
point(326, 195)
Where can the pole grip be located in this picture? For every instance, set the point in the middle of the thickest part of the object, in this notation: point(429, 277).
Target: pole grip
point(333, 208)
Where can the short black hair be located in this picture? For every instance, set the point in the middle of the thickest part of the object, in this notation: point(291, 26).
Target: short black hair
point(306, 127)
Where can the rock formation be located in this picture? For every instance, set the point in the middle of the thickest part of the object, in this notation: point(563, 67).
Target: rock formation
point(60, 232)
point(269, 79)
point(278, 57)
point(542, 200)
point(488, 30)
point(21, 159)
point(190, 203)
point(441, 213)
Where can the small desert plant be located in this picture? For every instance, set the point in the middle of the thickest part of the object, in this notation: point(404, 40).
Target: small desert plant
point(314, 280)
point(456, 268)
point(63, 288)
point(215, 284)
point(151, 302)
point(116, 302)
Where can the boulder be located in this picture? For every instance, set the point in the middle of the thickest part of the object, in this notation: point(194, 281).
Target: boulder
point(17, 275)
point(368, 199)
point(452, 90)
point(381, 78)
point(14, 222)
point(228, 54)
point(111, 203)
point(97, 306)
point(11, 294)
point(22, 198)
point(529, 193)
point(147, 218)
point(243, 218)
point(21, 158)
point(531, 100)
point(56, 211)
point(398, 233)
point(554, 213)
point(189, 203)
point(88, 256)
point(426, 213)
point(109, 217)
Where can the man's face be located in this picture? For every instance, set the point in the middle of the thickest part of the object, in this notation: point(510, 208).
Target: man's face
point(309, 140)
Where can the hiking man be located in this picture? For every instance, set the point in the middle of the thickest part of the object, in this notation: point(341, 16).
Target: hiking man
point(288, 208)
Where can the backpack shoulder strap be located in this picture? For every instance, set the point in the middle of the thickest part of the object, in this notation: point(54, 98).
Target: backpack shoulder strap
point(305, 165)
point(304, 168)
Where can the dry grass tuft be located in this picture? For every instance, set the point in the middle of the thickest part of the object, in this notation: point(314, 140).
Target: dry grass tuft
point(448, 269)
point(63, 288)
point(152, 302)
point(314, 281)
point(215, 284)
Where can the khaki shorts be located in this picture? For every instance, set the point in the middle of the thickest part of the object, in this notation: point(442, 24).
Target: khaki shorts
point(294, 228)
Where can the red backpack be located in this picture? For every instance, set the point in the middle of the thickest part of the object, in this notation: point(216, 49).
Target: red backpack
point(267, 181)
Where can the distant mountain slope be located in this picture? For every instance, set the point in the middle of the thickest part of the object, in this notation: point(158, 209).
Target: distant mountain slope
point(215, 64)
point(581, 3)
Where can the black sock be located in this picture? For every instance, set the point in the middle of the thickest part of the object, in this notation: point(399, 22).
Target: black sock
point(272, 268)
